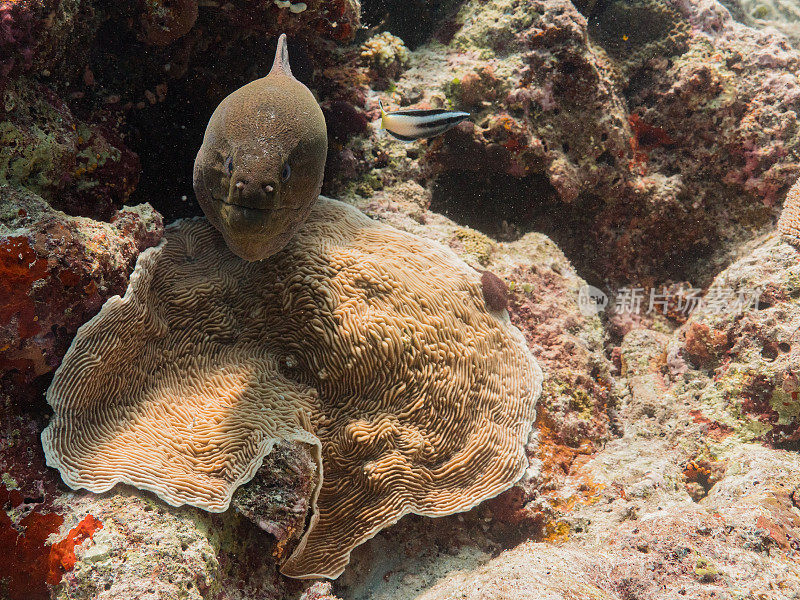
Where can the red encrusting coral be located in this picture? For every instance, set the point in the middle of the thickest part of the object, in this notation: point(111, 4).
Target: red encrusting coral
point(645, 137)
point(62, 554)
point(26, 554)
point(58, 274)
point(20, 267)
point(29, 563)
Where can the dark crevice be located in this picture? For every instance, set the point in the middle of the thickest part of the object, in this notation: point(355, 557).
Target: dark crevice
point(505, 207)
point(414, 21)
point(485, 203)
point(168, 160)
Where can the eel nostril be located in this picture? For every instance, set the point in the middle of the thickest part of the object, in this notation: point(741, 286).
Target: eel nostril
point(268, 188)
point(240, 185)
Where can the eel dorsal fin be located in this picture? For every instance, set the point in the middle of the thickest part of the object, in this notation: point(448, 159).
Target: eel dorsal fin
point(281, 62)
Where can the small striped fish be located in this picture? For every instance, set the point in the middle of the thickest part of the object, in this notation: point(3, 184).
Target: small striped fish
point(410, 125)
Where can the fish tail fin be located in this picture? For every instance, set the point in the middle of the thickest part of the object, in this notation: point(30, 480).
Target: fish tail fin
point(383, 114)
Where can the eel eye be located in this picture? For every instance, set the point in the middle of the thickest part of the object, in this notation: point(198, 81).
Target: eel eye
point(286, 172)
point(229, 165)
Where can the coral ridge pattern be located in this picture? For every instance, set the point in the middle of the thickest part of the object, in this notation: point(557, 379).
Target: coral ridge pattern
point(373, 346)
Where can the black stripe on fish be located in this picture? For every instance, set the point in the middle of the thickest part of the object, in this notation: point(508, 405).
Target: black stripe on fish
point(433, 132)
point(424, 133)
point(402, 138)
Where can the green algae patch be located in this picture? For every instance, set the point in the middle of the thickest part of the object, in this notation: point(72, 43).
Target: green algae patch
point(475, 244)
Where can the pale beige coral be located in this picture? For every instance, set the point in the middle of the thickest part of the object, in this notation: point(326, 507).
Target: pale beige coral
point(368, 342)
point(789, 221)
point(383, 51)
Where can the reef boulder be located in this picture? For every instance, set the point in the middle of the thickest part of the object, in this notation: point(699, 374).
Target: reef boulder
point(742, 364)
point(56, 271)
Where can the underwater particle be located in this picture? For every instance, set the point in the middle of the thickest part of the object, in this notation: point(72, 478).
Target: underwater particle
point(261, 164)
point(495, 291)
point(789, 221)
point(345, 312)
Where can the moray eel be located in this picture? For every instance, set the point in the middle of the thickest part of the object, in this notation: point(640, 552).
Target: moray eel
point(260, 167)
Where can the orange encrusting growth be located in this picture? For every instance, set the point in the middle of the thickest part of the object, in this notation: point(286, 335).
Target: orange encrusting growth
point(62, 554)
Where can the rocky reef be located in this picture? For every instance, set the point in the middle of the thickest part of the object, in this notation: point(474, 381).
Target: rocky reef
point(605, 135)
point(56, 270)
point(640, 146)
point(762, 14)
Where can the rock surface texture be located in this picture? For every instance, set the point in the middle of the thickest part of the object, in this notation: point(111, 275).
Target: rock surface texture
point(56, 271)
point(611, 131)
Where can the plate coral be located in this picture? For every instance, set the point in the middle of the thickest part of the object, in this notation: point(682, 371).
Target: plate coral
point(419, 399)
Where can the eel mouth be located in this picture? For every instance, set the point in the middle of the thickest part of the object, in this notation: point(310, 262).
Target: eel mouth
point(244, 219)
point(264, 211)
point(245, 207)
point(247, 220)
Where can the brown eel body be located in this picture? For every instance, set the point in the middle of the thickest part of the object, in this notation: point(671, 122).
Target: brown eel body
point(260, 167)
